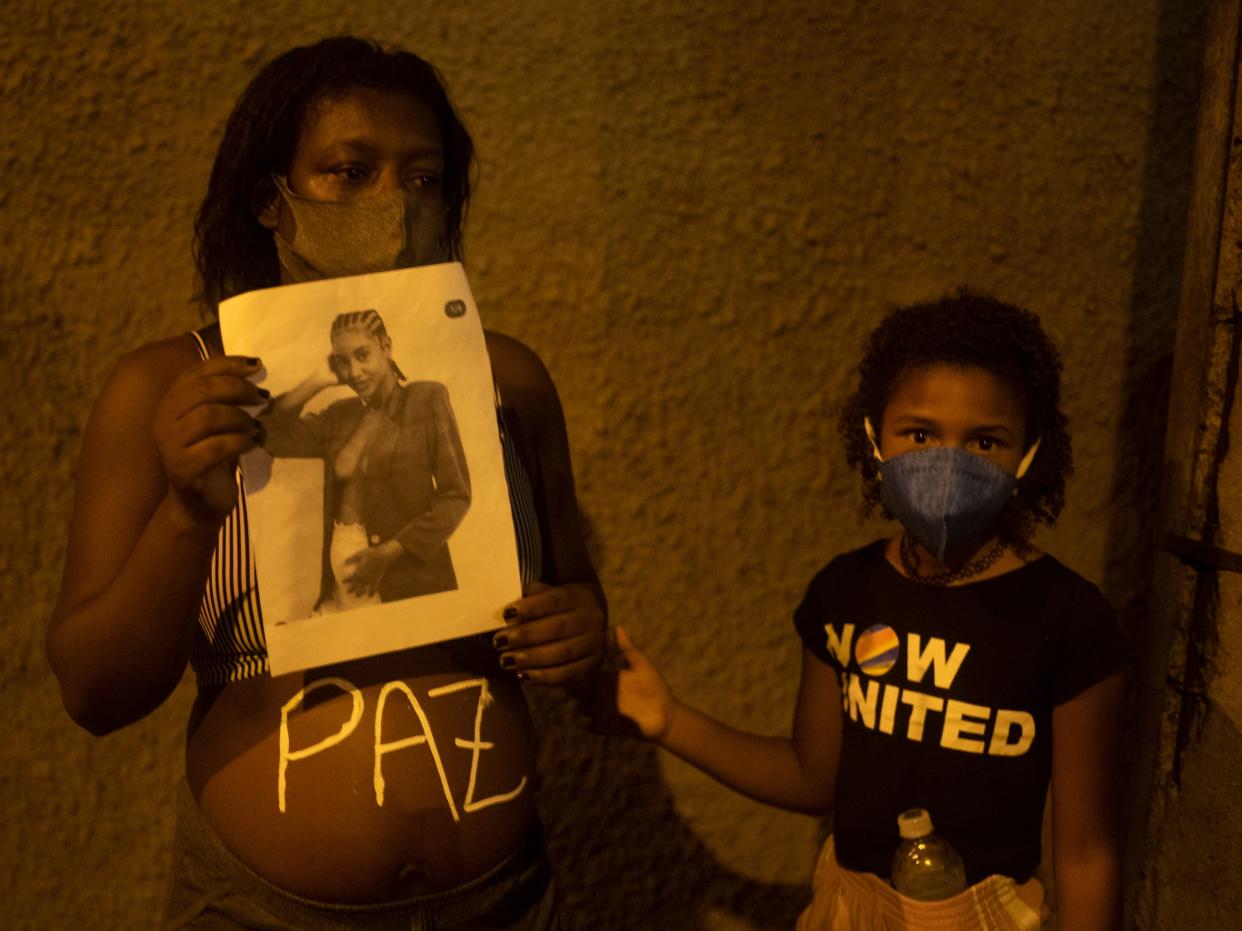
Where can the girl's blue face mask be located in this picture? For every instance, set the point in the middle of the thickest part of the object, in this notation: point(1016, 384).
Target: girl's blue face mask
point(945, 495)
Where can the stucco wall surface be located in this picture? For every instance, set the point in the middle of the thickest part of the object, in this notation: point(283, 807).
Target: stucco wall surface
point(694, 213)
point(1195, 814)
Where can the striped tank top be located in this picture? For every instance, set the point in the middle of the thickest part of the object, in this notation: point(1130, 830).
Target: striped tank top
point(229, 644)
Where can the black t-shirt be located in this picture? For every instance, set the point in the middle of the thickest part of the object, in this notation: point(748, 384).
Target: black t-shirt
point(948, 696)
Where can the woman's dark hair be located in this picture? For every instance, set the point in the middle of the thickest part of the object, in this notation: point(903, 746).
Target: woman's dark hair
point(977, 331)
point(232, 250)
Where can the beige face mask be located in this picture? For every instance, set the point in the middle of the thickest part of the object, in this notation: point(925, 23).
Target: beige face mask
point(376, 233)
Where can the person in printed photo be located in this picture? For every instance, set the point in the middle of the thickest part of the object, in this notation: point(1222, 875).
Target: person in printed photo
point(395, 479)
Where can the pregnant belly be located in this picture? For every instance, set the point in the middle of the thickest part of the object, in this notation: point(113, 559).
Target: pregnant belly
point(370, 781)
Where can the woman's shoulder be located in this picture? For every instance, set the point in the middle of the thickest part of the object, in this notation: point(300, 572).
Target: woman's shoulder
point(146, 371)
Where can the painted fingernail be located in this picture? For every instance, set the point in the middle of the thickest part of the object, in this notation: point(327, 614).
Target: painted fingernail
point(507, 661)
point(522, 676)
point(263, 393)
point(500, 641)
point(258, 432)
point(250, 360)
point(510, 613)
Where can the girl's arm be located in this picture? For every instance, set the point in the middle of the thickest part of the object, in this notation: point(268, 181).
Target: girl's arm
point(797, 772)
point(286, 433)
point(1086, 817)
point(426, 533)
point(155, 481)
point(555, 633)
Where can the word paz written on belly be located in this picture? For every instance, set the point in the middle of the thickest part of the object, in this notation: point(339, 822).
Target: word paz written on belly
point(919, 715)
point(426, 739)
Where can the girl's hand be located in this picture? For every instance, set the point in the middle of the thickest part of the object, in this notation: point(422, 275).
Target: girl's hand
point(330, 374)
point(553, 636)
point(369, 566)
point(643, 695)
point(200, 430)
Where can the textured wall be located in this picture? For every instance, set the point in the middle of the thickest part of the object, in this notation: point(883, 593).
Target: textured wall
point(1188, 814)
point(693, 212)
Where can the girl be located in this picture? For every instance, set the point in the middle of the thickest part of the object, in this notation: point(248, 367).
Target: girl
point(395, 484)
point(305, 806)
point(952, 667)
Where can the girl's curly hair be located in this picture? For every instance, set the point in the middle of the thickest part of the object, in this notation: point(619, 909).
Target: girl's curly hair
point(973, 330)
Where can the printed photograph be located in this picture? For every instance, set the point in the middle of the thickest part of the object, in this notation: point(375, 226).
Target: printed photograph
point(380, 472)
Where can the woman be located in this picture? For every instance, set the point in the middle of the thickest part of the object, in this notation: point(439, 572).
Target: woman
point(395, 479)
point(308, 804)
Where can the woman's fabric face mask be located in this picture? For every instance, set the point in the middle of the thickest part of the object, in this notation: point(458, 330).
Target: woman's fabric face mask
point(376, 233)
point(945, 496)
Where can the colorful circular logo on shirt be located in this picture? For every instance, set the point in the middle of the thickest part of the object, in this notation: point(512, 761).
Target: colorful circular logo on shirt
point(876, 649)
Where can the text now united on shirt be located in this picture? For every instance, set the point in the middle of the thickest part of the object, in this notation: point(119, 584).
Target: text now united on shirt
point(917, 715)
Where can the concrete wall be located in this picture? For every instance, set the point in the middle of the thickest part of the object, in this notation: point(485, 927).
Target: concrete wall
point(1187, 816)
point(694, 212)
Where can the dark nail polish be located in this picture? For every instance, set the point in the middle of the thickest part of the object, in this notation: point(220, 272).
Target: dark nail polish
point(507, 661)
point(258, 433)
point(500, 641)
point(522, 676)
point(510, 613)
point(250, 360)
point(263, 393)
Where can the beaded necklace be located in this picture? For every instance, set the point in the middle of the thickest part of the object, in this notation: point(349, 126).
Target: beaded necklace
point(910, 562)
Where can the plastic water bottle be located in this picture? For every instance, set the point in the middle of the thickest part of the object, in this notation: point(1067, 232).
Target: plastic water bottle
point(925, 866)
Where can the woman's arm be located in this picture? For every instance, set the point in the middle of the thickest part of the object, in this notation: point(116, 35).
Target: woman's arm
point(1086, 802)
point(286, 432)
point(797, 772)
point(555, 634)
point(155, 481)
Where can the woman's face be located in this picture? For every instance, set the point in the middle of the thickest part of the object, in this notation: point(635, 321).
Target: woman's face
point(366, 141)
point(363, 364)
point(957, 406)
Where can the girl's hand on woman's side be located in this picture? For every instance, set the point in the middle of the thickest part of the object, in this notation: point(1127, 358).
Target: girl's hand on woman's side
point(553, 635)
point(643, 695)
point(200, 429)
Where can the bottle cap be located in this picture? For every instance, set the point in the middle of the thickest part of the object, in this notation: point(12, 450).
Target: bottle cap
point(914, 823)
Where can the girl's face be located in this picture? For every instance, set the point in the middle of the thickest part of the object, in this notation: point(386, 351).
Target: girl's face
point(366, 141)
point(363, 364)
point(942, 404)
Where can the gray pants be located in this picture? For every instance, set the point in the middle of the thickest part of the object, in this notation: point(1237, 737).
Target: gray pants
point(211, 889)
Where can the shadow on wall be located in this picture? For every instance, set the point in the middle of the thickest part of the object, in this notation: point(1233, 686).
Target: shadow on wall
point(1156, 288)
point(624, 858)
point(1139, 441)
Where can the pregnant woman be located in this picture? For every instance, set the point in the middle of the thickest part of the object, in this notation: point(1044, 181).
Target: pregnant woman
point(391, 791)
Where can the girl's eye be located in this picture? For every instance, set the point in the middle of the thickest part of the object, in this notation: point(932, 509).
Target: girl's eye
point(919, 436)
point(986, 443)
point(426, 182)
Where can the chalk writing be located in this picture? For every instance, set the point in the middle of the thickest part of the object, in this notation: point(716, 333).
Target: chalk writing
point(381, 747)
point(425, 737)
point(287, 755)
point(485, 699)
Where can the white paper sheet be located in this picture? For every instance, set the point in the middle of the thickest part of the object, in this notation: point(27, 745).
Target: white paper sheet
point(431, 318)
